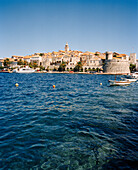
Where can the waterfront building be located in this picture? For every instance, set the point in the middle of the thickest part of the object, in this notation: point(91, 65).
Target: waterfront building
point(14, 64)
point(73, 60)
point(91, 60)
point(27, 58)
point(17, 57)
point(36, 59)
point(115, 65)
point(47, 61)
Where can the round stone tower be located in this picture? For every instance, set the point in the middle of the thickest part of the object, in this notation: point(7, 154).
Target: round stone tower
point(115, 66)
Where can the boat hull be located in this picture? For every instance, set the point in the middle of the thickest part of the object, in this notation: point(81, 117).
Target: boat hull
point(119, 83)
point(24, 70)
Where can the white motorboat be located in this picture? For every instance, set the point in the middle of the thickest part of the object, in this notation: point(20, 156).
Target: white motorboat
point(132, 76)
point(129, 79)
point(24, 70)
point(119, 83)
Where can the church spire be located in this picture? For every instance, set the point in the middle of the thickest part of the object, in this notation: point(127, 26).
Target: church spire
point(66, 47)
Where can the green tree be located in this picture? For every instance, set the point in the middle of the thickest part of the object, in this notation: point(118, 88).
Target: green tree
point(20, 62)
point(35, 65)
point(132, 67)
point(62, 66)
point(30, 65)
point(7, 63)
point(93, 69)
point(78, 67)
point(1, 67)
point(47, 68)
point(97, 54)
point(25, 63)
point(114, 55)
point(54, 69)
point(41, 68)
point(41, 54)
point(97, 69)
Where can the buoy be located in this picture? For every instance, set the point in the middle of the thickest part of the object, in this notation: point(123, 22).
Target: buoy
point(54, 86)
point(100, 83)
point(16, 84)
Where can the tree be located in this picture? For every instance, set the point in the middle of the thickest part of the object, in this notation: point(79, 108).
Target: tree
point(62, 66)
point(25, 63)
point(97, 54)
point(54, 69)
point(78, 67)
point(1, 67)
point(47, 68)
point(93, 69)
point(114, 55)
point(41, 68)
point(132, 67)
point(41, 54)
point(20, 62)
point(35, 65)
point(7, 62)
point(30, 65)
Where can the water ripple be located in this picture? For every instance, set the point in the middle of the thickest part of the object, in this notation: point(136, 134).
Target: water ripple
point(78, 125)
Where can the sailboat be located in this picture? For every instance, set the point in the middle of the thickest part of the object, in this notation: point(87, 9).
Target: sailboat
point(119, 83)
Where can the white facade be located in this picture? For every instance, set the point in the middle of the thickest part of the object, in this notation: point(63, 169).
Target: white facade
point(14, 64)
point(46, 61)
point(37, 59)
point(27, 60)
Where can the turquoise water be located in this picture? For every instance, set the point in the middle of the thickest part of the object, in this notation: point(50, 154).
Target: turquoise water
point(79, 125)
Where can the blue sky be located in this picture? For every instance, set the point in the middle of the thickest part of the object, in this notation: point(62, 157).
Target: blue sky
point(29, 26)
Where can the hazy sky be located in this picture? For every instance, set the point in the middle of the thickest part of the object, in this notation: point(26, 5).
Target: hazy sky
point(29, 26)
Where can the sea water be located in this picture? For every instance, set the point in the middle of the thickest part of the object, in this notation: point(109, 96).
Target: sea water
point(78, 125)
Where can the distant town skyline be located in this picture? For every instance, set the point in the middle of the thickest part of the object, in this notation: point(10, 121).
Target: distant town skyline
point(29, 26)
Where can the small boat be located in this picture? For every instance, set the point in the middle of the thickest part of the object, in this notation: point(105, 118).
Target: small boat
point(132, 75)
point(119, 83)
point(24, 70)
point(129, 79)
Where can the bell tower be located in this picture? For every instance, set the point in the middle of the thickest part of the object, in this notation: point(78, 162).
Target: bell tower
point(66, 47)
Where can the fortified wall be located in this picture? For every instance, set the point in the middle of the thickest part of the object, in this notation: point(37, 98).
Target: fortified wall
point(115, 66)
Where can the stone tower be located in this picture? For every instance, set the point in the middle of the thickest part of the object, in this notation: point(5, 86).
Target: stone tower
point(115, 66)
point(109, 55)
point(66, 47)
point(132, 58)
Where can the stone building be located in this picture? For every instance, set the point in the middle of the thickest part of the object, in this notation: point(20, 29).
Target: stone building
point(114, 65)
point(132, 58)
